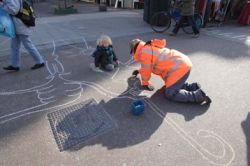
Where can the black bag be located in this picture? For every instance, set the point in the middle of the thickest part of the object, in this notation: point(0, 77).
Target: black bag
point(26, 14)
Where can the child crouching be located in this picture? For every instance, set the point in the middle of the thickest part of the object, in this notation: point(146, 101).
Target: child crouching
point(104, 55)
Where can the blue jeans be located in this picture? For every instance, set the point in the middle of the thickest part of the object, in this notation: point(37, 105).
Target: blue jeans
point(190, 20)
point(29, 46)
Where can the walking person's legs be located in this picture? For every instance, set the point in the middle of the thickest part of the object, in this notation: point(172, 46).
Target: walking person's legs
point(191, 21)
point(30, 47)
point(177, 26)
point(15, 51)
point(15, 54)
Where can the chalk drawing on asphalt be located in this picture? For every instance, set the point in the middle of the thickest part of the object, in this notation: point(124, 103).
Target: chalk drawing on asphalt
point(46, 93)
point(228, 154)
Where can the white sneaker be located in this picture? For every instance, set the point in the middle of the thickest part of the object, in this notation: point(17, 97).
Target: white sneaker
point(96, 69)
point(92, 66)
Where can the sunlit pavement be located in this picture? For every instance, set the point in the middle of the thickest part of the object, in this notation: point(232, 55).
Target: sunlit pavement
point(167, 133)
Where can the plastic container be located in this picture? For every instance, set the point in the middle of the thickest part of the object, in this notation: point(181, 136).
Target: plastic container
point(137, 107)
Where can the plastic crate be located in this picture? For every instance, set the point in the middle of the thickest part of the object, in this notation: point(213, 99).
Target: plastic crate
point(137, 107)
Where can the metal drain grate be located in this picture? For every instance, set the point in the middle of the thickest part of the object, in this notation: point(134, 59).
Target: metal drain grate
point(74, 125)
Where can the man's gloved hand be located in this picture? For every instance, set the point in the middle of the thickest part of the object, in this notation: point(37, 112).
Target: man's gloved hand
point(135, 73)
point(148, 87)
point(148, 42)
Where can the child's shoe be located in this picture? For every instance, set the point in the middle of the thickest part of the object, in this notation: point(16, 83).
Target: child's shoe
point(92, 66)
point(96, 69)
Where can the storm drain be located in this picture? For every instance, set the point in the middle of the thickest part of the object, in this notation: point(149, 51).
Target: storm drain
point(74, 125)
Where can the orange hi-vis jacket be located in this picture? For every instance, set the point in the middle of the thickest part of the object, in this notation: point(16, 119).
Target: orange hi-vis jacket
point(170, 65)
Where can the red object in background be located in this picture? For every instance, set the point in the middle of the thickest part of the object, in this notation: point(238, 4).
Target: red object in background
point(202, 7)
point(245, 15)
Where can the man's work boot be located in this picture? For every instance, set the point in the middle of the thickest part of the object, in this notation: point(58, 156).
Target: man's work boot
point(191, 87)
point(207, 99)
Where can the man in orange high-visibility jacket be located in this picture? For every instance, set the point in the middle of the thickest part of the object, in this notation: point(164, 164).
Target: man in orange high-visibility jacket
point(171, 65)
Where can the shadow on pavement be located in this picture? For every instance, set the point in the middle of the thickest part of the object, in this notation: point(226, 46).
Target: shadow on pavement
point(188, 110)
point(133, 129)
point(246, 129)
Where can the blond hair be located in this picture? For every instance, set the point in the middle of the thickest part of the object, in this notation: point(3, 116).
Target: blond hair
point(104, 39)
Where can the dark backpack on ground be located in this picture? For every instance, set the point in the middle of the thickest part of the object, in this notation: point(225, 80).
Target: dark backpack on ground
point(26, 14)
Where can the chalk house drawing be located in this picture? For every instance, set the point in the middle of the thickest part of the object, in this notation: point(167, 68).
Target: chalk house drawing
point(73, 90)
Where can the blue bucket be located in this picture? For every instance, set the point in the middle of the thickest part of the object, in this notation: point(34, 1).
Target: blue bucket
point(137, 107)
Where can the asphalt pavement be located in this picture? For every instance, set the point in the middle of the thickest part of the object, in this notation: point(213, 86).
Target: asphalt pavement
point(167, 133)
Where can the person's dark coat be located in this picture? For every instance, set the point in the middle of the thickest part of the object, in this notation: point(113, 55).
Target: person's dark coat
point(104, 56)
point(187, 7)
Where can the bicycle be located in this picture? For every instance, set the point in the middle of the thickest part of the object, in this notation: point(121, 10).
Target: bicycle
point(161, 21)
point(222, 12)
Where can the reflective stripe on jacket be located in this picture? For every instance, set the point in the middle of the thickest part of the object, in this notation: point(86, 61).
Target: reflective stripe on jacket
point(170, 65)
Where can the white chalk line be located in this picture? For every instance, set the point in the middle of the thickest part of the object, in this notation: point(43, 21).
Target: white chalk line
point(202, 151)
point(117, 70)
point(93, 85)
point(58, 106)
point(33, 89)
point(25, 112)
point(45, 92)
point(113, 95)
point(36, 89)
point(228, 36)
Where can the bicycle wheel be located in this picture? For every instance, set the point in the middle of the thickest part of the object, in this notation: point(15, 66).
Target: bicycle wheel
point(198, 20)
point(187, 28)
point(160, 22)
